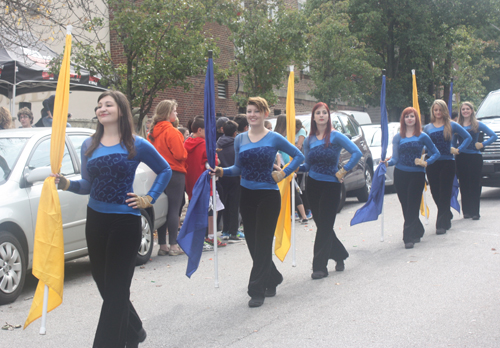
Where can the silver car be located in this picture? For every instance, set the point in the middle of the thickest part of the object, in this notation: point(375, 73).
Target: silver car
point(25, 163)
point(373, 135)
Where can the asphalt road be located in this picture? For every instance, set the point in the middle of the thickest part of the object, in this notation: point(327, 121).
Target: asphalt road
point(443, 293)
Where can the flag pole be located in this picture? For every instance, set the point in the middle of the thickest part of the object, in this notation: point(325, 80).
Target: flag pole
point(292, 215)
point(214, 218)
point(44, 310)
point(382, 214)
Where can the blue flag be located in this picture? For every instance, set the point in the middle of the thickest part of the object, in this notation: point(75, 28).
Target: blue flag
point(454, 193)
point(373, 207)
point(192, 233)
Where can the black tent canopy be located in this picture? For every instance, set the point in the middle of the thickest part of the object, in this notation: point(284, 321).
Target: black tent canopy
point(24, 69)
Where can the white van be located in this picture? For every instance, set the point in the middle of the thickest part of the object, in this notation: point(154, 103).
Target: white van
point(360, 116)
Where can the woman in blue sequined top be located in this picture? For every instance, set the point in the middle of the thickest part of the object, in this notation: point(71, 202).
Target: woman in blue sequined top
point(470, 160)
point(409, 174)
point(260, 200)
point(442, 172)
point(322, 150)
point(113, 230)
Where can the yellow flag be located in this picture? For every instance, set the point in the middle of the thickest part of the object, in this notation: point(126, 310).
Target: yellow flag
point(48, 253)
point(424, 209)
point(283, 231)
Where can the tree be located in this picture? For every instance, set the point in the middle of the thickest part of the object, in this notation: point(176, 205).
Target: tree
point(162, 43)
point(268, 38)
point(415, 34)
point(338, 60)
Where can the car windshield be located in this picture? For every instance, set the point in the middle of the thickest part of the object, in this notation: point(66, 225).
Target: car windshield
point(10, 149)
point(375, 140)
point(490, 106)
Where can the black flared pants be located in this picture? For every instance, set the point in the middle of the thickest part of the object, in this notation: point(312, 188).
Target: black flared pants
point(113, 241)
point(440, 175)
point(469, 170)
point(324, 198)
point(260, 210)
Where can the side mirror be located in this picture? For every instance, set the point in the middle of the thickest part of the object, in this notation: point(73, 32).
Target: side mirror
point(37, 174)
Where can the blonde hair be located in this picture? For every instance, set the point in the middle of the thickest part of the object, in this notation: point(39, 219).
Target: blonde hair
point(143, 131)
point(162, 113)
point(176, 122)
point(5, 118)
point(445, 116)
point(474, 125)
point(260, 104)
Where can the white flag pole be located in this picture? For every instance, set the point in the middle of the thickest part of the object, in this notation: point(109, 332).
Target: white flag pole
point(292, 186)
point(216, 240)
point(44, 310)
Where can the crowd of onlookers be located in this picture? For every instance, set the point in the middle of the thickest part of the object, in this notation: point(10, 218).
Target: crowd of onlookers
point(26, 118)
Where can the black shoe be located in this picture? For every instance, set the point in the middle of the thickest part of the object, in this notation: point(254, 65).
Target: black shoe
point(416, 240)
point(234, 237)
point(409, 245)
point(467, 216)
point(256, 302)
point(475, 217)
point(319, 275)
point(270, 292)
point(339, 267)
point(141, 337)
point(440, 231)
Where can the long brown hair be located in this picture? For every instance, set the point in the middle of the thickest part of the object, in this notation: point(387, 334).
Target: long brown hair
point(474, 125)
point(162, 113)
point(446, 117)
point(314, 127)
point(402, 124)
point(280, 126)
point(125, 125)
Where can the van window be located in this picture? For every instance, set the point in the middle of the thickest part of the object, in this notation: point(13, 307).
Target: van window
point(350, 129)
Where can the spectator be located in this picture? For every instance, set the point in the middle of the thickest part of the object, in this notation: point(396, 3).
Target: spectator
point(268, 125)
point(196, 159)
point(242, 122)
point(5, 118)
point(184, 132)
point(25, 117)
point(221, 121)
point(146, 125)
point(48, 106)
point(230, 185)
point(170, 144)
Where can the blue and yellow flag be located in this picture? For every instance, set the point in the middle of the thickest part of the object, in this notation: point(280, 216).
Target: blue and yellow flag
point(48, 252)
point(283, 232)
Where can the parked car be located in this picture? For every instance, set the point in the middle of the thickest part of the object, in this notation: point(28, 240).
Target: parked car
point(25, 165)
point(360, 116)
point(358, 181)
point(489, 114)
point(373, 135)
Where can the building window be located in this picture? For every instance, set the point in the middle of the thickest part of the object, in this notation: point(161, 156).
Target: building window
point(222, 90)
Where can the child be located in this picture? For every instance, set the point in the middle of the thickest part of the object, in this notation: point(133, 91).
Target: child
point(196, 160)
point(230, 185)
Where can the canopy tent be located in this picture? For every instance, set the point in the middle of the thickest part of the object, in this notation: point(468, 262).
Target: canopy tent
point(24, 69)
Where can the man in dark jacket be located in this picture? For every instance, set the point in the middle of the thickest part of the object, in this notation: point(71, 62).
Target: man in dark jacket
point(48, 113)
point(230, 185)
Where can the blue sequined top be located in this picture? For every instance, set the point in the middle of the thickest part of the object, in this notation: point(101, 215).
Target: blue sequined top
point(254, 161)
point(443, 145)
point(471, 149)
point(108, 175)
point(405, 150)
point(321, 162)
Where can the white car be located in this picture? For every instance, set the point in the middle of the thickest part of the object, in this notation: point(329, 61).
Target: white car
point(373, 135)
point(25, 163)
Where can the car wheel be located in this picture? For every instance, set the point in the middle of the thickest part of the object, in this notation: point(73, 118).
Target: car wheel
point(363, 193)
point(12, 267)
point(147, 239)
point(343, 195)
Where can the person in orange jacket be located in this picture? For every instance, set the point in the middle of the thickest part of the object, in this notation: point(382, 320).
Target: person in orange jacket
point(169, 142)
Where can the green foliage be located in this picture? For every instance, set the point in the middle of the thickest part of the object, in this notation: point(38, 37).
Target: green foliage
point(401, 35)
point(164, 43)
point(268, 38)
point(338, 60)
